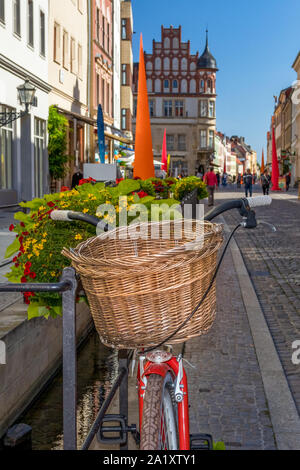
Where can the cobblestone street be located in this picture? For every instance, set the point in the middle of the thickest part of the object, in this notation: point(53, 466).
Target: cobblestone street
point(226, 391)
point(272, 260)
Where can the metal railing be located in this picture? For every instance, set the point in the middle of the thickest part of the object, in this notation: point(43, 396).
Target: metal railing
point(67, 286)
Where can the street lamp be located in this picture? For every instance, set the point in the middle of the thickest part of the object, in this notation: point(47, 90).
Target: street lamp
point(26, 93)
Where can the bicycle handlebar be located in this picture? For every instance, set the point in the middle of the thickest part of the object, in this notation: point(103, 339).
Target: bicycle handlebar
point(68, 216)
point(259, 201)
point(244, 204)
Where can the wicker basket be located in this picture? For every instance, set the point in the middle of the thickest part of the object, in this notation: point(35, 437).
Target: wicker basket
point(140, 289)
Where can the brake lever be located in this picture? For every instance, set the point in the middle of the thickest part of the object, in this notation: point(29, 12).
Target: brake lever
point(249, 221)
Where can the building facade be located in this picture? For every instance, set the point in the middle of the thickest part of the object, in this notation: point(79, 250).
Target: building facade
point(182, 100)
point(284, 128)
point(246, 157)
point(23, 143)
point(295, 158)
point(117, 63)
point(68, 68)
point(126, 68)
point(224, 158)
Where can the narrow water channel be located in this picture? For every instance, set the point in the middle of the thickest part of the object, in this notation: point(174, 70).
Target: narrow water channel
point(97, 368)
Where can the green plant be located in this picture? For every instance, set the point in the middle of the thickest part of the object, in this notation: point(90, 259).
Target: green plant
point(57, 145)
point(187, 185)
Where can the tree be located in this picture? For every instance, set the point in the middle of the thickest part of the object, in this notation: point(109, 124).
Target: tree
point(57, 146)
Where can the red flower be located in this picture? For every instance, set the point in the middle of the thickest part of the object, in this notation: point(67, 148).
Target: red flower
point(23, 279)
point(64, 189)
point(32, 275)
point(15, 259)
point(26, 272)
point(25, 234)
point(28, 265)
point(118, 180)
point(20, 254)
point(86, 180)
point(11, 227)
point(17, 265)
point(50, 204)
point(22, 224)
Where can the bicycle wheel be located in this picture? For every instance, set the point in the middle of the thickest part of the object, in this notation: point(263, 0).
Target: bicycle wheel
point(159, 423)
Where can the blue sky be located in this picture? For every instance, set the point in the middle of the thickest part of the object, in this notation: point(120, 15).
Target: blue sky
point(255, 43)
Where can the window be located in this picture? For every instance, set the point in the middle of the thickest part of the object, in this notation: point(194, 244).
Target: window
point(179, 108)
point(2, 11)
point(39, 149)
point(17, 17)
point(80, 61)
point(209, 90)
point(97, 89)
point(182, 142)
point(151, 108)
point(6, 144)
point(167, 108)
point(211, 139)
point(80, 6)
point(124, 29)
point(166, 84)
point(203, 108)
point(157, 63)
point(201, 86)
point(42, 34)
point(123, 118)
point(124, 74)
point(103, 31)
point(170, 142)
point(175, 84)
point(212, 109)
point(203, 139)
point(108, 43)
point(98, 25)
point(103, 93)
point(56, 43)
point(107, 98)
point(65, 49)
point(30, 23)
point(72, 56)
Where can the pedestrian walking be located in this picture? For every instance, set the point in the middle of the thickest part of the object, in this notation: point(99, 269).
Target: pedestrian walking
point(224, 180)
point(211, 181)
point(248, 182)
point(265, 182)
point(218, 178)
point(288, 180)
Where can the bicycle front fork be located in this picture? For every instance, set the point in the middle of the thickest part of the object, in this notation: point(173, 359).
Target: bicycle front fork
point(160, 363)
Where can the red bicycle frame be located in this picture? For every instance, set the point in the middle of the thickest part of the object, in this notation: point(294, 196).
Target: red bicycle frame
point(162, 369)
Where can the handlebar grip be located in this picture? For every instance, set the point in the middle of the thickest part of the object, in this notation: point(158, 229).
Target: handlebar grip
point(259, 201)
point(63, 216)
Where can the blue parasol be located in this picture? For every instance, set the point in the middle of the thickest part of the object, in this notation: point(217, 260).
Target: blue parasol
point(101, 139)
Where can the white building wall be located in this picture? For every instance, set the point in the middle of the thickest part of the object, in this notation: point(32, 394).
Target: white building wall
point(117, 62)
point(19, 61)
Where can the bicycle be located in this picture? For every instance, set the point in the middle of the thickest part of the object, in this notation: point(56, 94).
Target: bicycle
point(161, 377)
